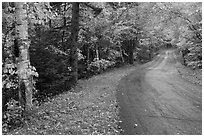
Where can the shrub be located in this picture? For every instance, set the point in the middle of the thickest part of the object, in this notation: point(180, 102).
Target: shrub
point(193, 58)
point(9, 82)
point(53, 69)
point(98, 66)
point(12, 118)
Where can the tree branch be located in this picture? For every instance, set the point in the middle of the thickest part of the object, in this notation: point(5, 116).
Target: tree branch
point(95, 9)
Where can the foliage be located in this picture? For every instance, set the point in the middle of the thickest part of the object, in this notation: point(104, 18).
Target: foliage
point(53, 75)
point(194, 57)
point(9, 76)
point(13, 116)
point(97, 66)
point(10, 83)
point(114, 54)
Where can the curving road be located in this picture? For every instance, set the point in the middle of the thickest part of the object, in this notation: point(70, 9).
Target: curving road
point(155, 100)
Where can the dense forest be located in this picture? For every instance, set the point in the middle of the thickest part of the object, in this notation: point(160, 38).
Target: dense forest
point(48, 46)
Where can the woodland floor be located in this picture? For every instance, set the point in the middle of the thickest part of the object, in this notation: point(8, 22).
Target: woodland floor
point(193, 76)
point(91, 108)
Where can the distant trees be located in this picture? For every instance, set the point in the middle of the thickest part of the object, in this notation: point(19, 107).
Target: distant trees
point(189, 37)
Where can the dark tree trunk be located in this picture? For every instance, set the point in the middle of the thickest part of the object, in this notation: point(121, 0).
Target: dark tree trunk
point(88, 55)
point(74, 44)
point(63, 32)
point(131, 47)
point(50, 23)
point(131, 51)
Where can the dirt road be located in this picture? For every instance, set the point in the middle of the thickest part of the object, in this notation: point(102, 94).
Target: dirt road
point(155, 100)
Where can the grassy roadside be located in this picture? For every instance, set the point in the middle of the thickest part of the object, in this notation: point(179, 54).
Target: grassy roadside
point(91, 108)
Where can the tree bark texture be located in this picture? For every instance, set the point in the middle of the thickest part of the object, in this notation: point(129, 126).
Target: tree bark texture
point(74, 44)
point(21, 31)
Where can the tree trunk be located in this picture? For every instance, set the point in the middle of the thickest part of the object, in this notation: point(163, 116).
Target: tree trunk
point(131, 57)
point(97, 52)
point(64, 16)
point(121, 54)
point(74, 45)
point(50, 23)
point(64, 25)
point(150, 49)
point(88, 55)
point(131, 51)
point(21, 29)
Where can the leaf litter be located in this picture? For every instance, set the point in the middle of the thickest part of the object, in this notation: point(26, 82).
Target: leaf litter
point(193, 76)
point(90, 109)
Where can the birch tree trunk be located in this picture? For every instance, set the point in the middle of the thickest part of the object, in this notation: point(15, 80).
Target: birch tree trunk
point(21, 30)
point(97, 52)
point(74, 45)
